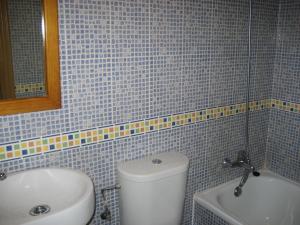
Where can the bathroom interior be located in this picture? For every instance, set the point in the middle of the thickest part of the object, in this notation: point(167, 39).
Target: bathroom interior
point(105, 90)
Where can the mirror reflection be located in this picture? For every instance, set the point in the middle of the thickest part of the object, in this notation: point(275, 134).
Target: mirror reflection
point(21, 49)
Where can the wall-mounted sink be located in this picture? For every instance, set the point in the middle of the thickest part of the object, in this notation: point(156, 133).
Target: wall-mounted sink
point(46, 197)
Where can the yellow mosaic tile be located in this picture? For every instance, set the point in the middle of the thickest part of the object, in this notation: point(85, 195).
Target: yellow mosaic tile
point(45, 148)
point(17, 153)
point(64, 138)
point(51, 140)
point(100, 137)
point(83, 134)
point(58, 146)
point(24, 145)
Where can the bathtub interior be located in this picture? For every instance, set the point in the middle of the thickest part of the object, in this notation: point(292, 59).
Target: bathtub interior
point(266, 200)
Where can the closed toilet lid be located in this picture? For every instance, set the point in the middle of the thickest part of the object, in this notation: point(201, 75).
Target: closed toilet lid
point(153, 167)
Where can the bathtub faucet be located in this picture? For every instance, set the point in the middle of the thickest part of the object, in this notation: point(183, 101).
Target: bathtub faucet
point(242, 161)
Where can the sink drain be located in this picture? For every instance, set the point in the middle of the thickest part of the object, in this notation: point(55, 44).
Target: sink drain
point(39, 210)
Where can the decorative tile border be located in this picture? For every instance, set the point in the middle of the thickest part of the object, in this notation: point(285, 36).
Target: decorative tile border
point(285, 105)
point(58, 142)
point(32, 87)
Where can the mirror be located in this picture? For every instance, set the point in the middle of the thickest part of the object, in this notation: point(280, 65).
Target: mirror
point(23, 57)
point(29, 59)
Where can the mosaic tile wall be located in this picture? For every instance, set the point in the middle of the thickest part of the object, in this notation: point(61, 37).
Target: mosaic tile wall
point(25, 21)
point(282, 121)
point(283, 145)
point(140, 77)
point(263, 48)
point(204, 216)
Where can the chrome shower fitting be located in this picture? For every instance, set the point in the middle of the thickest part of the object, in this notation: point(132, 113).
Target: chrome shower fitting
point(242, 161)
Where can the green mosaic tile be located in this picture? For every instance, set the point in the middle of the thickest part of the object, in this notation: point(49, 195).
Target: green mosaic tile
point(2, 156)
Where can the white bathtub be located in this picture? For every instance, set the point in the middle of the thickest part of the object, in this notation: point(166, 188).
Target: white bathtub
point(266, 200)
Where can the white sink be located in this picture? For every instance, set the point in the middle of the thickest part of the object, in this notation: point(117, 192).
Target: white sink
point(69, 194)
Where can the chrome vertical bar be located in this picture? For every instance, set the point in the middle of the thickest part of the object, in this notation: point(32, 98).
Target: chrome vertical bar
point(248, 79)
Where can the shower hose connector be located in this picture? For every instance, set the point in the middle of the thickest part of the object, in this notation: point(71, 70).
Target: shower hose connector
point(242, 161)
point(106, 214)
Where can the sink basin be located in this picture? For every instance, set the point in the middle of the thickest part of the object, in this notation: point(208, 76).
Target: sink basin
point(67, 195)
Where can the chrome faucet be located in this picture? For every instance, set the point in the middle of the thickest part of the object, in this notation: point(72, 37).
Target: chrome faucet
point(242, 161)
point(3, 175)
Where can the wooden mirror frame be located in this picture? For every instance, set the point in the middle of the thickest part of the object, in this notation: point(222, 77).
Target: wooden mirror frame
point(52, 70)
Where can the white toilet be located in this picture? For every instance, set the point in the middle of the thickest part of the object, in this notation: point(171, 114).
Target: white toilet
point(152, 189)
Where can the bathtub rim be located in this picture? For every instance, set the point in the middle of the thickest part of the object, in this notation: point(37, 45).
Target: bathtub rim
point(212, 205)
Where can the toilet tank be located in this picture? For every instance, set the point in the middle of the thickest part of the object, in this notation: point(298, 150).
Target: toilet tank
point(153, 189)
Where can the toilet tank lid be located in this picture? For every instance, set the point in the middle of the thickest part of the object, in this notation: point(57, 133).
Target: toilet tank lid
point(153, 167)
